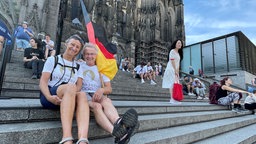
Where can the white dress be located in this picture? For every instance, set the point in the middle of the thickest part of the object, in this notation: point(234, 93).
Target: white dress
point(169, 74)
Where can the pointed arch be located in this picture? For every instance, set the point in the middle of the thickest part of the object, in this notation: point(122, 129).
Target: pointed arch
point(6, 14)
point(170, 24)
point(33, 19)
point(162, 20)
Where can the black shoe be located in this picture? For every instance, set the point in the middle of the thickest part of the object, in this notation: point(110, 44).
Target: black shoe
point(131, 131)
point(38, 76)
point(239, 110)
point(34, 76)
point(125, 126)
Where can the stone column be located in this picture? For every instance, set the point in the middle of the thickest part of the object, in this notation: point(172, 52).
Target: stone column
point(23, 8)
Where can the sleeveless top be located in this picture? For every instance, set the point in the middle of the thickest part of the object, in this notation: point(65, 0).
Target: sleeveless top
point(221, 93)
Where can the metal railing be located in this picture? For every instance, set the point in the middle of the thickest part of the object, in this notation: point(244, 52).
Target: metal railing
point(207, 83)
point(211, 80)
point(6, 56)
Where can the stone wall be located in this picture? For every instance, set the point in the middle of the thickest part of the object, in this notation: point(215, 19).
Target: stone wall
point(239, 77)
point(42, 15)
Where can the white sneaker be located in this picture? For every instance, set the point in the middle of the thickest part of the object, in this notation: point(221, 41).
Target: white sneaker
point(152, 83)
point(172, 101)
point(199, 98)
point(142, 81)
point(190, 94)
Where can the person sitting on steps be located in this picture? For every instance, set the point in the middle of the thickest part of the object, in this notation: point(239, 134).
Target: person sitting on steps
point(199, 88)
point(150, 74)
point(226, 95)
point(187, 85)
point(96, 85)
point(138, 72)
point(58, 90)
point(250, 102)
point(34, 58)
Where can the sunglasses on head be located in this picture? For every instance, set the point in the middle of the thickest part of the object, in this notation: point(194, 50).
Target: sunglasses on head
point(77, 37)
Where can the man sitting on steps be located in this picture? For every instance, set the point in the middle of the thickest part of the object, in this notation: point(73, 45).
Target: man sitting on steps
point(138, 72)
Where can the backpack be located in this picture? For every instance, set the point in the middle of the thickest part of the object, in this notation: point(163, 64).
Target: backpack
point(212, 93)
point(56, 61)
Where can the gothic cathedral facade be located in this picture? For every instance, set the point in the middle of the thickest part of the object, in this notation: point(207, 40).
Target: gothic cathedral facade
point(141, 29)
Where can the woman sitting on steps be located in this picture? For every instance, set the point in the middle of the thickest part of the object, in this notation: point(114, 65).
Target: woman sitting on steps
point(227, 95)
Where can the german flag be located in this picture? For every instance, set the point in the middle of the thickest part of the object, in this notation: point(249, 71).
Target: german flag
point(105, 61)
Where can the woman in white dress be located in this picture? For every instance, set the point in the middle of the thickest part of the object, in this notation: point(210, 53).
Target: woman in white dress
point(172, 69)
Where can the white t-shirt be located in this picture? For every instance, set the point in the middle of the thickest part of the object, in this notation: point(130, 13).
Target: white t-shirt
point(156, 67)
point(160, 68)
point(49, 43)
point(138, 69)
point(149, 68)
point(61, 74)
point(250, 99)
point(145, 69)
point(91, 78)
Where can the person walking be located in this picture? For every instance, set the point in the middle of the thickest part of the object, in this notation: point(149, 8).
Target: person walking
point(171, 73)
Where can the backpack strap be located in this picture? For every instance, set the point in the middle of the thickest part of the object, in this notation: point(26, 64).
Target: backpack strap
point(56, 59)
point(56, 62)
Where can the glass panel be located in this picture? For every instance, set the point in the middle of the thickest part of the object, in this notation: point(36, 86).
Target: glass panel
point(185, 63)
point(220, 56)
point(233, 55)
point(195, 58)
point(207, 58)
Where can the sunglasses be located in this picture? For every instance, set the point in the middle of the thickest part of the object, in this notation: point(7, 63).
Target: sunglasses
point(77, 37)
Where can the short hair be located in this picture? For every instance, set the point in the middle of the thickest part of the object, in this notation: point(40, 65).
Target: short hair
point(76, 37)
point(254, 91)
point(89, 45)
point(24, 22)
point(48, 35)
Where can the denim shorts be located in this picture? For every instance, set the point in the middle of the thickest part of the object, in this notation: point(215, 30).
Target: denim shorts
point(45, 103)
point(21, 43)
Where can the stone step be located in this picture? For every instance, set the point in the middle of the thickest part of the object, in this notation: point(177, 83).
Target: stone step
point(187, 133)
point(121, 94)
point(245, 135)
point(39, 131)
point(28, 84)
point(13, 77)
point(125, 95)
point(29, 110)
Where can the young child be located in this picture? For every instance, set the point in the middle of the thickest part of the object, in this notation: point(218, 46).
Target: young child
point(250, 102)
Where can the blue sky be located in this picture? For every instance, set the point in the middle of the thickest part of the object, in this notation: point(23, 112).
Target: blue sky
point(206, 19)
